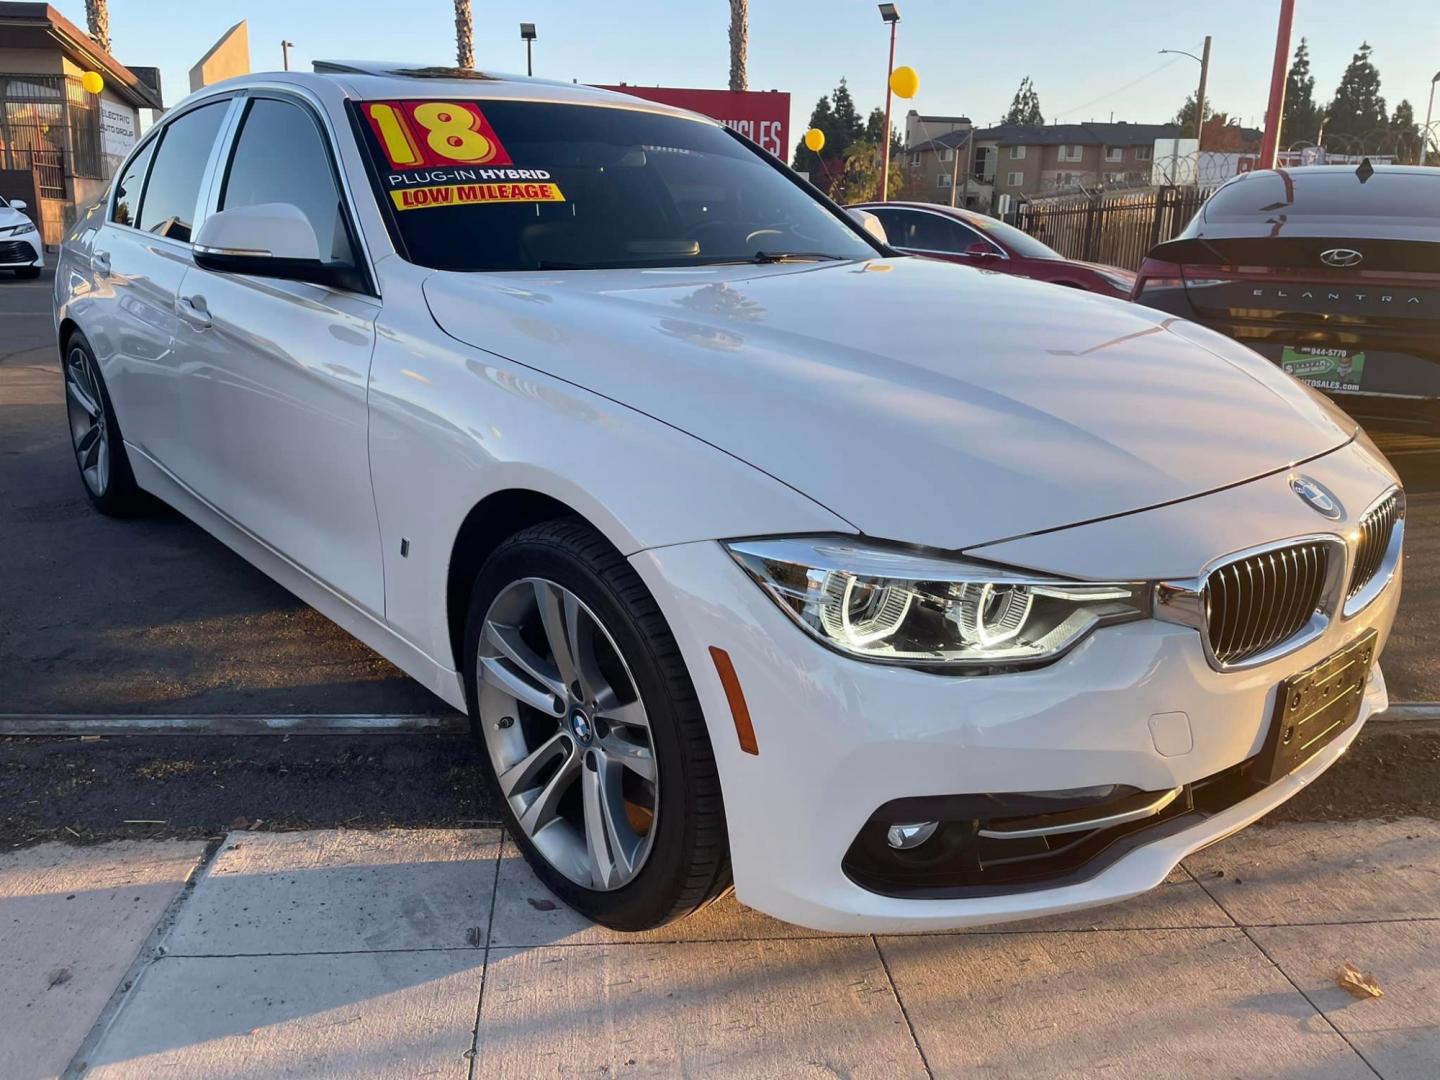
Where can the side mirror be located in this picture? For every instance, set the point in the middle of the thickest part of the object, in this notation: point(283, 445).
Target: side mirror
point(267, 240)
point(19, 204)
point(981, 250)
point(871, 224)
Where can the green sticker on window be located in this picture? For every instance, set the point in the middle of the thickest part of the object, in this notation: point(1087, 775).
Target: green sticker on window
point(1325, 369)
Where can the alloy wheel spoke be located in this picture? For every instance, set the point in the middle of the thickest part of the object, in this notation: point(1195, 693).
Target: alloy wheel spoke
point(559, 612)
point(82, 396)
point(497, 672)
point(544, 807)
point(638, 759)
point(609, 840)
point(512, 647)
point(102, 465)
point(632, 714)
point(93, 447)
point(520, 777)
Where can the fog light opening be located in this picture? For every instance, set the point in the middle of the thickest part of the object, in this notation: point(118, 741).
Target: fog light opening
point(910, 835)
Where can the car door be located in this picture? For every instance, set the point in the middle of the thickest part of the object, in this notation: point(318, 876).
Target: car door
point(278, 369)
point(137, 260)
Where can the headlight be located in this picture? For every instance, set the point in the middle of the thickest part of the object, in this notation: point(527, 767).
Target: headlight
point(881, 604)
point(21, 230)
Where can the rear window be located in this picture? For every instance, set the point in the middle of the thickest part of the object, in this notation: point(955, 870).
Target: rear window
point(510, 185)
point(1335, 192)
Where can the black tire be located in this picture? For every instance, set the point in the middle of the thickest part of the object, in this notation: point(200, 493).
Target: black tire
point(688, 864)
point(27, 273)
point(118, 496)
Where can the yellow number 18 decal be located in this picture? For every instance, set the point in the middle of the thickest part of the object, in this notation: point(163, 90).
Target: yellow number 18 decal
point(453, 133)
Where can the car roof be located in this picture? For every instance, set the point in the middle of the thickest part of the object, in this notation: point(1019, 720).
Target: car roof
point(368, 80)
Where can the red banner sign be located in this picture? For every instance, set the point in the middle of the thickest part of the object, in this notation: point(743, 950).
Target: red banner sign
point(763, 116)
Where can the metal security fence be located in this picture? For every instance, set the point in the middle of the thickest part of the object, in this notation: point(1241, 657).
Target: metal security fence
point(48, 122)
point(1117, 227)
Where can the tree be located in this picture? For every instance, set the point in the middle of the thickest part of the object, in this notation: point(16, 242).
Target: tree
point(859, 179)
point(739, 42)
point(464, 35)
point(1357, 112)
point(97, 18)
point(1405, 134)
point(1301, 120)
point(874, 125)
point(1025, 106)
point(806, 160)
point(848, 127)
point(1185, 118)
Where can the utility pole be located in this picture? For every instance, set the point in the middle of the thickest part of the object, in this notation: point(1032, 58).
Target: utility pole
point(1426, 134)
point(1276, 108)
point(954, 173)
point(1200, 100)
point(285, 47)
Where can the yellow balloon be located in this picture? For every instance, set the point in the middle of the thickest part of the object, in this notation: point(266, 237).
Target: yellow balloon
point(92, 82)
point(904, 81)
point(814, 140)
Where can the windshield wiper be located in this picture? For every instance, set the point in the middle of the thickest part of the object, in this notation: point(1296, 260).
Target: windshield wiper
point(763, 257)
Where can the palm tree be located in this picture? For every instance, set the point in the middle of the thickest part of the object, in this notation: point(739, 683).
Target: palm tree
point(464, 35)
point(739, 42)
point(97, 14)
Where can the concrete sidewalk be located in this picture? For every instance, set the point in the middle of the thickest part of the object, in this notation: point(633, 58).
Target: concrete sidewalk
point(437, 953)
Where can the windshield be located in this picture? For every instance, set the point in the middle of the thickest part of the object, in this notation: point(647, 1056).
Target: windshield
point(512, 185)
point(1020, 243)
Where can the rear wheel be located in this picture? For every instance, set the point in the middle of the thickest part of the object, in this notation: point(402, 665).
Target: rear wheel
point(95, 435)
point(591, 730)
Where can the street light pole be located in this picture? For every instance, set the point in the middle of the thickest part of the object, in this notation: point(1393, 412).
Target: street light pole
point(1426, 135)
point(285, 47)
point(527, 33)
point(891, 14)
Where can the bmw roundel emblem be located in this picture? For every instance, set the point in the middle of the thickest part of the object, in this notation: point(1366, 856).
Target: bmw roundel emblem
point(1317, 496)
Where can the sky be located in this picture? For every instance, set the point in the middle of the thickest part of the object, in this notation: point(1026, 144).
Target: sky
point(1088, 59)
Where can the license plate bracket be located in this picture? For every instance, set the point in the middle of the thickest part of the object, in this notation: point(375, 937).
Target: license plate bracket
point(1314, 707)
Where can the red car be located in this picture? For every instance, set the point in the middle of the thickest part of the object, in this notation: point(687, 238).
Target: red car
point(963, 236)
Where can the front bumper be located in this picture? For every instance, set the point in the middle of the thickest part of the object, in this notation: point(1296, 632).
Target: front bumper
point(21, 251)
point(839, 738)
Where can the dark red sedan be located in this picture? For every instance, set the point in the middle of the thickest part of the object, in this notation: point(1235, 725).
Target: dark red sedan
point(963, 236)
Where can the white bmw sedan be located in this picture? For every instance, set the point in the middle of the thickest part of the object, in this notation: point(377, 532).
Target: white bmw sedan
point(900, 594)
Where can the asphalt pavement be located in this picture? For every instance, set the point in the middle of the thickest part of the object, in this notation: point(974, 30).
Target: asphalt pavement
point(153, 616)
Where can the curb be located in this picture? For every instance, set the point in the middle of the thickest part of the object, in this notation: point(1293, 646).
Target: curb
point(220, 724)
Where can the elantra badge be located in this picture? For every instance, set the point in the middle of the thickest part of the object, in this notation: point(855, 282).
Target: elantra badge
point(1317, 496)
point(1341, 257)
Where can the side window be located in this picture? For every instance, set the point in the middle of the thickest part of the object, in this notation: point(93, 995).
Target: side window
point(931, 232)
point(964, 236)
point(127, 191)
point(168, 208)
point(280, 157)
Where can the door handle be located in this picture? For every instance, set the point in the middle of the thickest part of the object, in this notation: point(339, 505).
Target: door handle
point(193, 310)
point(100, 263)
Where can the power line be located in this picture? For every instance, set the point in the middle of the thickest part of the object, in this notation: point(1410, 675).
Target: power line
point(1119, 89)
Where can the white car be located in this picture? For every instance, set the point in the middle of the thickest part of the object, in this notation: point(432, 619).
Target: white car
point(901, 594)
point(21, 249)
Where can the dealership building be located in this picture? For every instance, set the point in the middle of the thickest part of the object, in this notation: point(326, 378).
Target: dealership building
point(60, 143)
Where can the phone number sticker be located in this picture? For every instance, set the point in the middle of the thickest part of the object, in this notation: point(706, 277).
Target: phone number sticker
point(424, 134)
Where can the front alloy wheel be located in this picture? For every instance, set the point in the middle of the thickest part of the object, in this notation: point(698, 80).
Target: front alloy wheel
point(567, 733)
point(595, 745)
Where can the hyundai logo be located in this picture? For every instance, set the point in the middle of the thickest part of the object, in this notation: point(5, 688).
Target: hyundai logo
point(1341, 257)
point(1317, 496)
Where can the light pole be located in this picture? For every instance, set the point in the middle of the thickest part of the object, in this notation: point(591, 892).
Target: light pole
point(1204, 61)
point(527, 34)
point(891, 14)
point(1427, 135)
point(285, 47)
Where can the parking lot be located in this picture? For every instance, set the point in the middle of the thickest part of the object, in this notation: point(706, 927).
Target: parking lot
point(422, 945)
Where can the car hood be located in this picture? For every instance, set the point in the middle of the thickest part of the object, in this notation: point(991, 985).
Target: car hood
point(10, 216)
point(921, 401)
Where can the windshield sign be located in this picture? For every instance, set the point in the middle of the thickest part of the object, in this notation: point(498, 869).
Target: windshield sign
point(517, 185)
